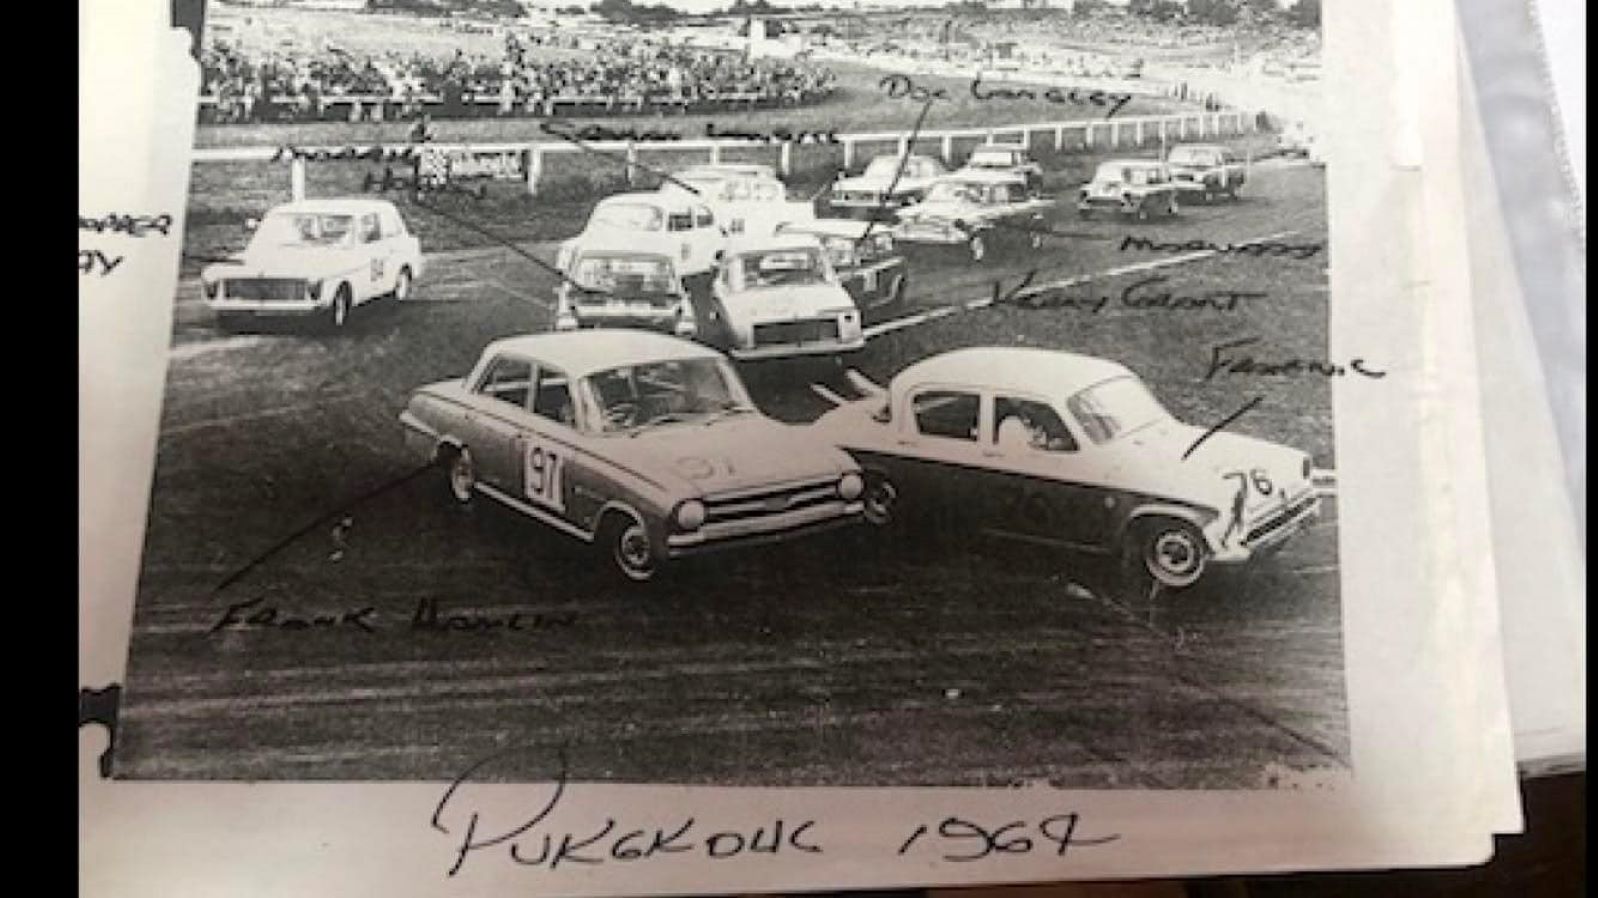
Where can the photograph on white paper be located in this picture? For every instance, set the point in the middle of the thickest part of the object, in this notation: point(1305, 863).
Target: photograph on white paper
point(754, 395)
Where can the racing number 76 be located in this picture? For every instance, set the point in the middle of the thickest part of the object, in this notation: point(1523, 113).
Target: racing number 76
point(542, 476)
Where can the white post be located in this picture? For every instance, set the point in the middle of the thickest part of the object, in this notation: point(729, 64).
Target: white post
point(715, 153)
point(1137, 132)
point(785, 159)
point(904, 145)
point(1115, 134)
point(632, 161)
point(948, 148)
point(1087, 136)
point(535, 169)
point(848, 153)
point(1059, 137)
point(297, 179)
point(990, 138)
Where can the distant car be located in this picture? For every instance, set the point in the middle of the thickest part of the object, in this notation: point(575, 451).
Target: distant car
point(980, 213)
point(680, 224)
point(623, 280)
point(876, 188)
point(746, 199)
point(1071, 451)
point(646, 446)
point(863, 257)
point(1297, 140)
point(1138, 188)
point(778, 296)
point(316, 258)
point(1003, 157)
point(1206, 171)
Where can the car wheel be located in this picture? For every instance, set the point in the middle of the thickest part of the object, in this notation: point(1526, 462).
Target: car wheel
point(880, 501)
point(232, 322)
point(1167, 552)
point(1142, 212)
point(460, 475)
point(1084, 213)
point(1171, 206)
point(402, 284)
point(338, 314)
point(1035, 238)
point(626, 543)
point(978, 248)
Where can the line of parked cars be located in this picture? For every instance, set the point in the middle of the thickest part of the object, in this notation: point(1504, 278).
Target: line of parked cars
point(629, 428)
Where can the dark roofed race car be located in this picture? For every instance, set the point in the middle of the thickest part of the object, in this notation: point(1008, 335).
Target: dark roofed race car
point(863, 257)
point(1206, 171)
point(1070, 451)
point(1139, 188)
point(888, 183)
point(1003, 157)
point(646, 446)
point(977, 213)
point(778, 297)
point(623, 279)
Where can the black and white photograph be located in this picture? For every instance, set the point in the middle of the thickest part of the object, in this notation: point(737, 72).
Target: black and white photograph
point(750, 393)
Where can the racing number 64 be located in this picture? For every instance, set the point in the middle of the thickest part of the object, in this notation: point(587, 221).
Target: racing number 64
point(542, 470)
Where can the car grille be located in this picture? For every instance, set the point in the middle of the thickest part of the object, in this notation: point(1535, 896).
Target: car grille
point(822, 330)
point(767, 502)
point(265, 288)
point(1280, 518)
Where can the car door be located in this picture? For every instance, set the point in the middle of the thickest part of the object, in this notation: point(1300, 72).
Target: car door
point(680, 231)
point(496, 420)
point(379, 275)
point(941, 466)
point(546, 447)
point(1041, 495)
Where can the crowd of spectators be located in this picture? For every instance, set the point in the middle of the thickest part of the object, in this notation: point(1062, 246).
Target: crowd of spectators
point(620, 74)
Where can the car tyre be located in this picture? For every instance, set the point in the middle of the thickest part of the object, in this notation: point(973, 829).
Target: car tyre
point(1172, 208)
point(402, 284)
point(978, 248)
point(625, 543)
point(880, 501)
point(338, 314)
point(460, 475)
point(1165, 553)
point(896, 290)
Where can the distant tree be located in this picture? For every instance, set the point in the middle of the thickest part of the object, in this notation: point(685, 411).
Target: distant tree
point(1158, 10)
point(1086, 8)
point(1305, 13)
point(1213, 12)
point(572, 10)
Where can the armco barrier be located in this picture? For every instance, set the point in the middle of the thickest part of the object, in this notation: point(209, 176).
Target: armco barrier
point(1130, 131)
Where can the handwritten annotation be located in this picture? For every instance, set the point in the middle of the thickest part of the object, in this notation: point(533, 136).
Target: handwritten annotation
point(904, 87)
point(602, 133)
point(427, 616)
point(102, 263)
point(533, 838)
point(1224, 362)
point(1137, 296)
point(1260, 248)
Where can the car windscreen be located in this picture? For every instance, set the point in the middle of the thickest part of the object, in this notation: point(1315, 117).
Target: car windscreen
point(883, 167)
point(1115, 407)
point(305, 229)
point(954, 192)
point(782, 268)
point(1192, 156)
point(624, 275)
point(629, 216)
point(991, 159)
point(632, 397)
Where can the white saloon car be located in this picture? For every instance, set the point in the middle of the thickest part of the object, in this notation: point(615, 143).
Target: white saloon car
point(646, 446)
point(317, 258)
point(1071, 451)
point(779, 296)
point(876, 187)
point(678, 223)
point(619, 279)
point(746, 199)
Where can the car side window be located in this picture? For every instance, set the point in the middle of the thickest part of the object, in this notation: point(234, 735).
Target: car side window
point(1029, 425)
point(951, 414)
point(680, 220)
point(393, 225)
point(703, 218)
point(370, 233)
point(509, 380)
point(553, 397)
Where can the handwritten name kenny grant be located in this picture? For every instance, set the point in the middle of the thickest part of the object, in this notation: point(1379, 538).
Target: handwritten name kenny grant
point(535, 837)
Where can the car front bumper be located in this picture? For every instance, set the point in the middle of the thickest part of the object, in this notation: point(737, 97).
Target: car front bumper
point(652, 318)
point(287, 308)
point(793, 350)
point(765, 529)
point(1269, 531)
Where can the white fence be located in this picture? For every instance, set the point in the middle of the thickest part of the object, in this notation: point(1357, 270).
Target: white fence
point(1095, 134)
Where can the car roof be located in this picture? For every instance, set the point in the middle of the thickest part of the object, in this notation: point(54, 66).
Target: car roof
point(1147, 163)
point(830, 227)
point(583, 352)
point(641, 197)
point(1211, 147)
point(915, 157)
point(785, 240)
point(983, 176)
point(1018, 368)
point(1006, 147)
point(336, 206)
point(618, 241)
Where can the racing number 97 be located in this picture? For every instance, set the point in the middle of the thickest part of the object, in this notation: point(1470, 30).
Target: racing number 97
point(542, 477)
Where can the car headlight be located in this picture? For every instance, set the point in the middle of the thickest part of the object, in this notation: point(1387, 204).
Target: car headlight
point(691, 515)
point(566, 322)
point(851, 487)
point(313, 289)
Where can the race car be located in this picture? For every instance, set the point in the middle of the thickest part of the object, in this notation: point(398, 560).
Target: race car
point(863, 257)
point(317, 259)
point(887, 183)
point(745, 199)
point(1206, 171)
point(1073, 452)
point(976, 212)
point(778, 296)
point(645, 446)
point(1139, 188)
point(621, 279)
point(1004, 157)
point(678, 223)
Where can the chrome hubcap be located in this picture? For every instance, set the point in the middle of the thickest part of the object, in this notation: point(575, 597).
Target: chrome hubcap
point(632, 552)
point(461, 477)
point(879, 502)
point(1175, 559)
